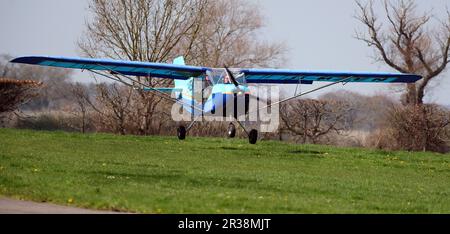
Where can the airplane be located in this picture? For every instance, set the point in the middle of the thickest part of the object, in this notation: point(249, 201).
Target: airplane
point(220, 87)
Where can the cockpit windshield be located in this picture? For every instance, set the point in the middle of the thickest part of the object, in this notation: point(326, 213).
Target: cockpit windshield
point(220, 76)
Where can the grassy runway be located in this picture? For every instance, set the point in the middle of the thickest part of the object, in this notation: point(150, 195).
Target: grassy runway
point(213, 175)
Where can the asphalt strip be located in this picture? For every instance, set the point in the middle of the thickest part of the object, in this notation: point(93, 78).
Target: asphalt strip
point(11, 206)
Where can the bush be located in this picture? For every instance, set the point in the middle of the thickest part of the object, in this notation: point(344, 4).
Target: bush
point(414, 128)
point(46, 121)
point(382, 138)
point(14, 93)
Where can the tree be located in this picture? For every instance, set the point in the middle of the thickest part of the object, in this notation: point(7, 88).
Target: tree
point(408, 42)
point(114, 100)
point(416, 128)
point(14, 93)
point(365, 112)
point(80, 95)
point(230, 35)
point(207, 33)
point(312, 119)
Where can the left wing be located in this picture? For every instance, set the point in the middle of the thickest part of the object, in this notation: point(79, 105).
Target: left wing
point(131, 68)
point(278, 76)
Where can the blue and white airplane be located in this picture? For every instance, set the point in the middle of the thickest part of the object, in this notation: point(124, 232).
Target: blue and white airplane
point(225, 85)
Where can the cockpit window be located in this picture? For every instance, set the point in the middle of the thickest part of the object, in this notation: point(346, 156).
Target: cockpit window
point(220, 76)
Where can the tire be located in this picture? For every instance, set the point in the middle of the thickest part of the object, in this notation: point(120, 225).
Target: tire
point(181, 133)
point(253, 136)
point(231, 132)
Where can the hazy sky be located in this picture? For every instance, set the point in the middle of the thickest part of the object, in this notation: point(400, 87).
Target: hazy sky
point(319, 35)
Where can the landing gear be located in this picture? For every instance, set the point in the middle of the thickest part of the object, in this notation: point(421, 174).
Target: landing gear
point(181, 133)
point(231, 130)
point(253, 136)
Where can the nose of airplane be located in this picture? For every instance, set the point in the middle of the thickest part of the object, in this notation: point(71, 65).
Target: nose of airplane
point(237, 90)
point(240, 90)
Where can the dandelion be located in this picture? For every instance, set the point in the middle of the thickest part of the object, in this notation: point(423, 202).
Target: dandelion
point(70, 200)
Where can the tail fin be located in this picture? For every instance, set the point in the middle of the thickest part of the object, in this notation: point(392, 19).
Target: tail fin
point(179, 84)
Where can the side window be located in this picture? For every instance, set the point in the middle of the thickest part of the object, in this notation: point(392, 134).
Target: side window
point(189, 84)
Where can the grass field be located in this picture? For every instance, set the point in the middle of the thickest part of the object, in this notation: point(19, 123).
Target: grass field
point(212, 175)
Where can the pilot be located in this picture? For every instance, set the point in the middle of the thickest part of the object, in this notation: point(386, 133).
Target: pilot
point(226, 79)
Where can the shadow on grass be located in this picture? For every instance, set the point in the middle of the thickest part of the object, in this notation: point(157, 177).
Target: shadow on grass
point(229, 148)
point(141, 177)
point(302, 151)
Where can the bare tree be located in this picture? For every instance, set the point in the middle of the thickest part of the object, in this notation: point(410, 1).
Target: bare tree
point(366, 112)
point(81, 97)
point(415, 128)
point(230, 34)
point(141, 31)
point(312, 119)
point(114, 100)
point(14, 93)
point(408, 42)
point(206, 33)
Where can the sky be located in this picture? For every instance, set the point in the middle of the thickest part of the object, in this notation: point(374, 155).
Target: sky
point(318, 35)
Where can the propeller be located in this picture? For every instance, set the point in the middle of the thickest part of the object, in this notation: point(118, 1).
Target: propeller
point(234, 81)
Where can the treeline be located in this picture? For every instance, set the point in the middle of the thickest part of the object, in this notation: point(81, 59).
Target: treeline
point(339, 118)
point(351, 119)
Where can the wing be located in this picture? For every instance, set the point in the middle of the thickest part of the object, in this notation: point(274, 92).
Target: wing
point(276, 76)
point(131, 68)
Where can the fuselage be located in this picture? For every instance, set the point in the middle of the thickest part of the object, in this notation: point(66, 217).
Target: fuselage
point(222, 98)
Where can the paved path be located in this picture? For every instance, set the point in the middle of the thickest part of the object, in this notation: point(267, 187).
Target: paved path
point(10, 206)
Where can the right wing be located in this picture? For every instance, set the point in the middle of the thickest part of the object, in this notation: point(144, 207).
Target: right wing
point(131, 68)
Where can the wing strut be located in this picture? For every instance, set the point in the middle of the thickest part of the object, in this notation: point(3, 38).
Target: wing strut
point(298, 85)
point(308, 92)
point(159, 93)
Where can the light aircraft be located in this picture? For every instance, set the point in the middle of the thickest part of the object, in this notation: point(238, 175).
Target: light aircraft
point(225, 85)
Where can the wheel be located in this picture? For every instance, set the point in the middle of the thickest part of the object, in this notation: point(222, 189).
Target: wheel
point(231, 130)
point(253, 136)
point(181, 133)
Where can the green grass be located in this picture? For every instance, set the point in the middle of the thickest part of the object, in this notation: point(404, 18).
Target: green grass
point(213, 175)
